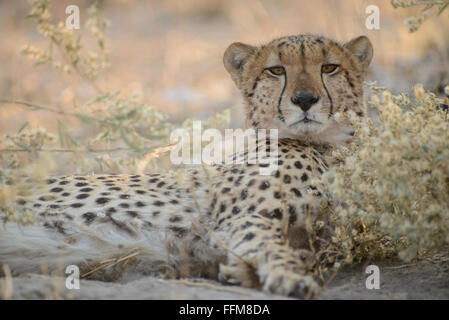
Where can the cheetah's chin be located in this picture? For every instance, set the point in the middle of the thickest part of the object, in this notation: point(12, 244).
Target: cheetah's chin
point(331, 132)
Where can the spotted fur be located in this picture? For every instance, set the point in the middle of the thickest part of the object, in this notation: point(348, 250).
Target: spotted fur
point(230, 225)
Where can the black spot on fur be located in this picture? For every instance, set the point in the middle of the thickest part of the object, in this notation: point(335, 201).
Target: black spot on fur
point(237, 182)
point(102, 200)
point(111, 210)
point(246, 225)
point(132, 214)
point(277, 214)
point(140, 204)
point(81, 184)
point(225, 190)
point(175, 219)
point(244, 194)
point(249, 236)
point(298, 164)
point(292, 212)
point(264, 185)
point(296, 192)
point(180, 232)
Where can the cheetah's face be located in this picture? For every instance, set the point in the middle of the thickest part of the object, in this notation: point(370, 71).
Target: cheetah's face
point(297, 84)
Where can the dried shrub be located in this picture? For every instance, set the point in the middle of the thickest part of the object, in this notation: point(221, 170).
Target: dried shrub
point(390, 186)
point(430, 8)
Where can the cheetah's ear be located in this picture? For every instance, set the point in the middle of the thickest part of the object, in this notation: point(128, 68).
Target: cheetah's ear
point(235, 57)
point(362, 49)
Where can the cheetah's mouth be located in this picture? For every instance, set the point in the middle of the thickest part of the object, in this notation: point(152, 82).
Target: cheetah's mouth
point(305, 120)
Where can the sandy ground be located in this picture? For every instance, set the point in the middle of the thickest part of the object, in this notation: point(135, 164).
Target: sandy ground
point(424, 280)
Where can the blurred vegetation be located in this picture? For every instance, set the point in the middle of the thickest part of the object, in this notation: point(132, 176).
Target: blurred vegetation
point(122, 124)
point(128, 135)
point(429, 8)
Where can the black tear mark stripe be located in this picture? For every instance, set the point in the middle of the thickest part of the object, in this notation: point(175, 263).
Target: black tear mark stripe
point(255, 83)
point(281, 116)
point(329, 96)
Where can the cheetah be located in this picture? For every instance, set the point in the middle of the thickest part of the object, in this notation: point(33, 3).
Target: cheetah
point(232, 225)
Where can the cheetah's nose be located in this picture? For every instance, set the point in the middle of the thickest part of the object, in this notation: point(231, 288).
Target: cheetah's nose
point(304, 100)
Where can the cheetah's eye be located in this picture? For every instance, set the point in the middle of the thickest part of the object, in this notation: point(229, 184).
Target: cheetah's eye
point(276, 71)
point(329, 68)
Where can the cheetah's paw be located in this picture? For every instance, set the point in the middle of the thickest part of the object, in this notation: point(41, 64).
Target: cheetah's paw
point(238, 273)
point(291, 284)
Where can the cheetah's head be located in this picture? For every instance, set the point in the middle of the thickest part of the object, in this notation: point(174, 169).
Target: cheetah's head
point(297, 84)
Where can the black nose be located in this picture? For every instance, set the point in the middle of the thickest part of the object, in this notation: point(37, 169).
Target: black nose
point(304, 100)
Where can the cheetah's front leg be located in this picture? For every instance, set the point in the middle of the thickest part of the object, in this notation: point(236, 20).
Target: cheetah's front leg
point(259, 257)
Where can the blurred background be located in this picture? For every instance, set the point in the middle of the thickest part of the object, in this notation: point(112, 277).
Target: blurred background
point(170, 51)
